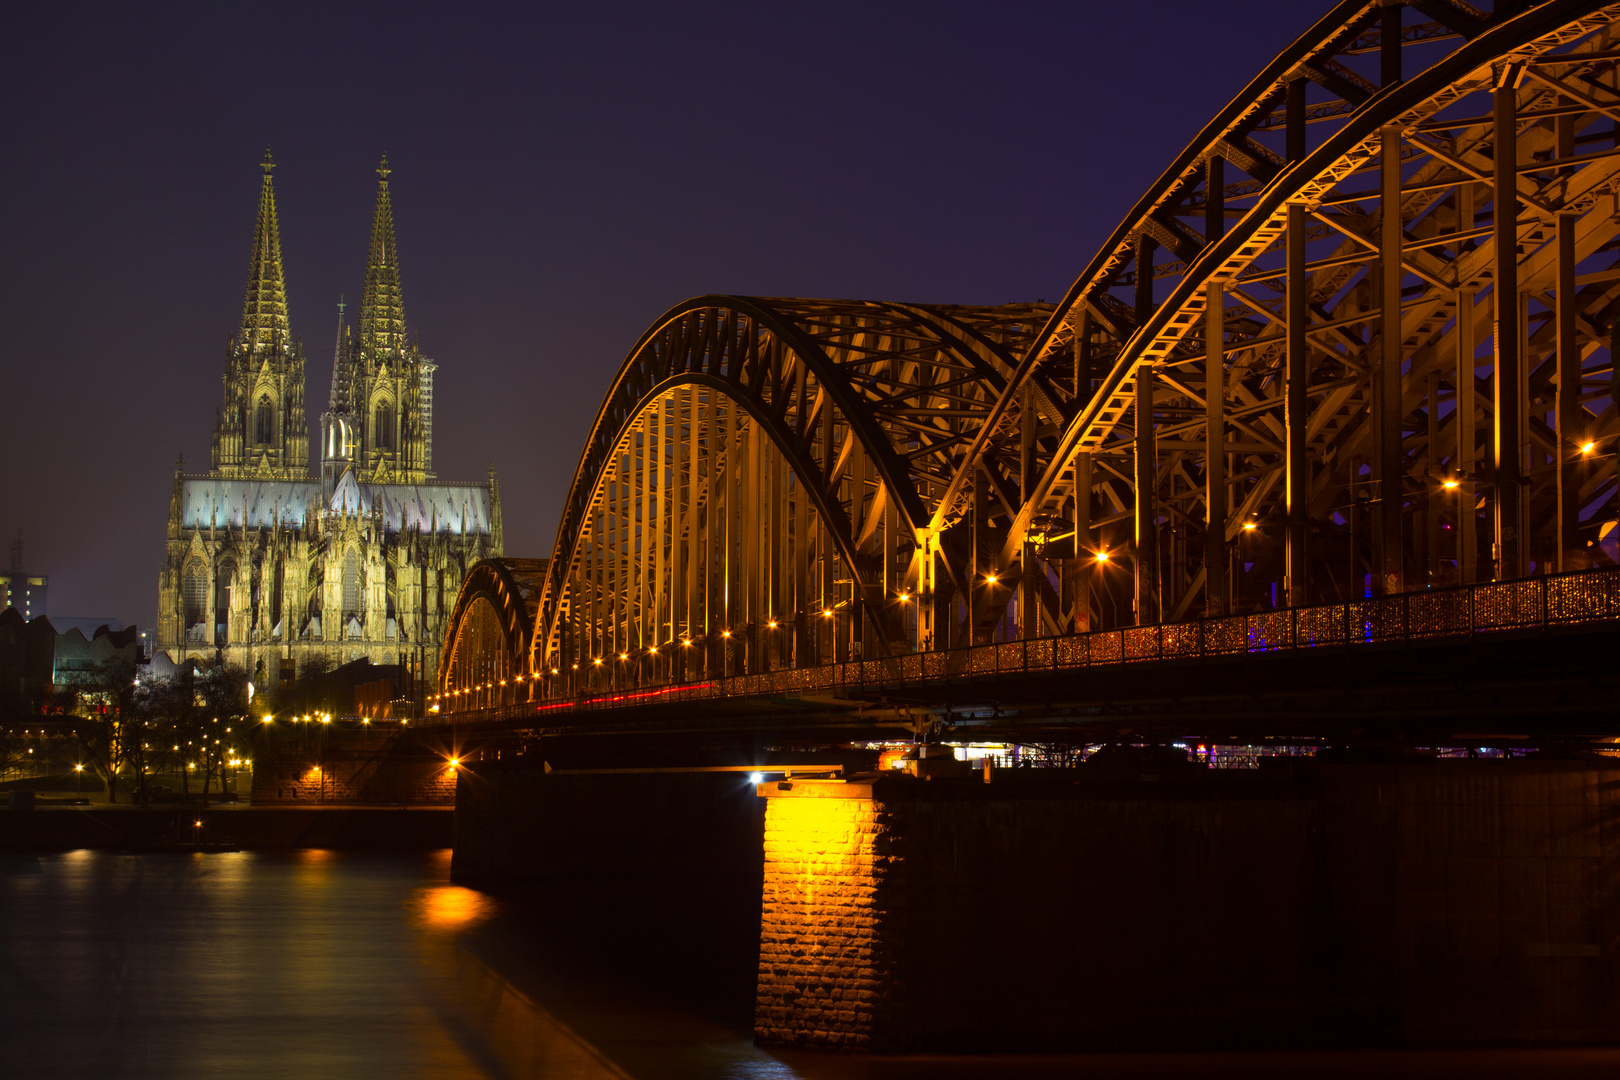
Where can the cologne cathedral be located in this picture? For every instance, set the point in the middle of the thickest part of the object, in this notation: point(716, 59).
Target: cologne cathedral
point(268, 567)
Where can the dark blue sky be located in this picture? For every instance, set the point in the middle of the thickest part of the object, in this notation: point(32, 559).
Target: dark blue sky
point(563, 174)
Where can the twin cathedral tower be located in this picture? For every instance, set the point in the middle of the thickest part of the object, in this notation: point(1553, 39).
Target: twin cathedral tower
point(269, 568)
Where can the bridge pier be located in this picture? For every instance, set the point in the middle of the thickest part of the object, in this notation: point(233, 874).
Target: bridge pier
point(1323, 904)
point(1136, 901)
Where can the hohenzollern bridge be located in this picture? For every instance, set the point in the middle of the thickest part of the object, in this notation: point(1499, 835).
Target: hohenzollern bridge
point(1341, 378)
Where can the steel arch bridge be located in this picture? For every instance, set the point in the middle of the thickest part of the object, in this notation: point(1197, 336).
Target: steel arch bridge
point(1290, 377)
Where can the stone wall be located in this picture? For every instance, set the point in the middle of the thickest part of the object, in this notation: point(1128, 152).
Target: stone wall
point(370, 767)
point(1425, 903)
point(821, 981)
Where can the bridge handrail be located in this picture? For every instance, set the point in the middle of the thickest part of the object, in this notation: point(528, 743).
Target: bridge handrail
point(1571, 598)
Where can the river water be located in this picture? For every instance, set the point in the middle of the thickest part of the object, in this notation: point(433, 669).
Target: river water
point(320, 964)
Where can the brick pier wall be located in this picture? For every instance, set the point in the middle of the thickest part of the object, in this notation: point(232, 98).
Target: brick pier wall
point(1417, 904)
point(823, 976)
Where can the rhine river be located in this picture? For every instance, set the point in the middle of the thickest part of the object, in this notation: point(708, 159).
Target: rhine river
point(319, 964)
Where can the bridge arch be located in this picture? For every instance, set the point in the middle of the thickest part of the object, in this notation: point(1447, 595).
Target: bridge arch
point(761, 464)
point(1260, 309)
point(487, 637)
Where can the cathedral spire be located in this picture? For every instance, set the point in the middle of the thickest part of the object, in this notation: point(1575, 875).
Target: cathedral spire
point(264, 312)
point(342, 375)
point(382, 307)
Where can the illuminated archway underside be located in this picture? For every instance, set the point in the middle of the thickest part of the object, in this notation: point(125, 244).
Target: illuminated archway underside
point(487, 638)
point(758, 489)
point(790, 482)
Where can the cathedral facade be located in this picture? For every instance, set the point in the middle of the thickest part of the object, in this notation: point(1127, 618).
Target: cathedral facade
point(270, 567)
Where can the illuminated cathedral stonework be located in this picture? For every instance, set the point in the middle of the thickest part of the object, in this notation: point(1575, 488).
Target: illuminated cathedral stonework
point(268, 567)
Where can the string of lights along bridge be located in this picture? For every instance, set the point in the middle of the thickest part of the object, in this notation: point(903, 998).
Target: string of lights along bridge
point(1353, 349)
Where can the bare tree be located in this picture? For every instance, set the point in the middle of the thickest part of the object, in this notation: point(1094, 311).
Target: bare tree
point(102, 704)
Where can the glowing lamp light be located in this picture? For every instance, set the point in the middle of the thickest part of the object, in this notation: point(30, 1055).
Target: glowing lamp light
point(1102, 556)
point(904, 597)
point(597, 662)
point(772, 624)
point(78, 768)
point(624, 656)
point(727, 633)
point(756, 778)
point(1249, 526)
point(990, 579)
point(455, 762)
point(652, 650)
point(827, 613)
point(1448, 484)
point(1586, 448)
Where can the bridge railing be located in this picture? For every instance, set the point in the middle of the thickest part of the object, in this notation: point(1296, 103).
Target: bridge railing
point(1582, 596)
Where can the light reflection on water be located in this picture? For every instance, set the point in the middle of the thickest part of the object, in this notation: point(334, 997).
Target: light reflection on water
point(319, 964)
point(306, 964)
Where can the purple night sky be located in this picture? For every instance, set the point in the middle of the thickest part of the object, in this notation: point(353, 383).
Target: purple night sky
point(562, 175)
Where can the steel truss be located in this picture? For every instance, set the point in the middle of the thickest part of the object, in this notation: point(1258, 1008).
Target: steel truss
point(1287, 379)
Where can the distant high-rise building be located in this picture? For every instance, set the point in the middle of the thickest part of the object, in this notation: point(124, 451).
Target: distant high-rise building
point(268, 567)
point(20, 589)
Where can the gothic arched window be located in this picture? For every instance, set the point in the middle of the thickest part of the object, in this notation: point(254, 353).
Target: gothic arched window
point(384, 427)
point(224, 586)
point(264, 426)
point(351, 583)
point(195, 592)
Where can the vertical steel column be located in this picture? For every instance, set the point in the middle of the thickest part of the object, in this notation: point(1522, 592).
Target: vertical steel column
point(1467, 421)
point(775, 564)
point(694, 454)
point(1388, 561)
point(660, 534)
point(1614, 375)
point(802, 656)
point(1214, 198)
point(1297, 469)
point(1432, 501)
point(1507, 452)
point(1079, 569)
point(751, 528)
point(1297, 473)
point(1086, 561)
point(1215, 588)
point(1145, 247)
point(677, 517)
point(1570, 434)
point(1389, 44)
point(1147, 508)
point(1028, 593)
point(978, 585)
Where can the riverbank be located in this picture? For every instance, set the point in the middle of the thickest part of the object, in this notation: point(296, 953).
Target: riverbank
point(104, 828)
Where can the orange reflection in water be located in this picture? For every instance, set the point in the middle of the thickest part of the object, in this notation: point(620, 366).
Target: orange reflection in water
point(451, 907)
